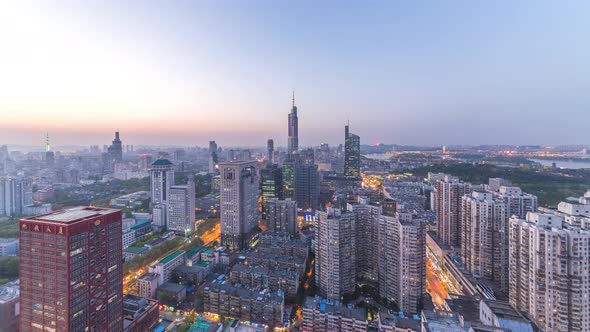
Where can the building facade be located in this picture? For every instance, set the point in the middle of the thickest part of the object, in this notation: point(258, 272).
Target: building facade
point(549, 263)
point(335, 260)
point(148, 285)
point(238, 203)
point(181, 208)
point(402, 260)
point(282, 216)
point(15, 195)
point(8, 246)
point(447, 195)
point(71, 273)
point(162, 178)
point(352, 154)
point(271, 185)
point(164, 267)
point(307, 186)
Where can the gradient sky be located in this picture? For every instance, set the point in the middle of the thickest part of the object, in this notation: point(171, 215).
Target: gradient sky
point(405, 72)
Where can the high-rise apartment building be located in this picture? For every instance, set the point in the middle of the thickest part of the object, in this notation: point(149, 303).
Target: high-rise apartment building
point(447, 195)
point(15, 194)
point(402, 260)
point(367, 242)
point(352, 154)
point(484, 237)
point(307, 186)
point(282, 216)
point(162, 178)
point(484, 229)
point(71, 273)
point(335, 260)
point(549, 264)
point(238, 203)
point(518, 202)
point(293, 140)
point(181, 208)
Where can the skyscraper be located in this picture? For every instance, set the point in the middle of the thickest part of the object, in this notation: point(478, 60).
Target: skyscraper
point(71, 273)
point(484, 229)
point(402, 259)
point(367, 228)
point(281, 216)
point(271, 185)
point(162, 178)
point(549, 263)
point(238, 203)
point(307, 186)
point(116, 149)
point(484, 237)
point(288, 170)
point(270, 146)
point(447, 195)
point(335, 261)
point(293, 143)
point(352, 154)
point(15, 194)
point(181, 208)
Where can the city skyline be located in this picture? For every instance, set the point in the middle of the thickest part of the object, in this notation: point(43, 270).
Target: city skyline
point(397, 71)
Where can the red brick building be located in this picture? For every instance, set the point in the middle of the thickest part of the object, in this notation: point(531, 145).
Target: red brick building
point(71, 271)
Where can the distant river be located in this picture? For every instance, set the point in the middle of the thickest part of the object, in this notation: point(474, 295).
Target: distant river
point(571, 164)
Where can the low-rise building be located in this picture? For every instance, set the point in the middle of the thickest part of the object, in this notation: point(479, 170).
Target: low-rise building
point(141, 229)
point(132, 252)
point(148, 285)
point(9, 307)
point(397, 322)
point(226, 300)
point(8, 246)
point(167, 264)
point(171, 294)
point(321, 315)
point(128, 238)
point(139, 314)
point(261, 277)
point(194, 274)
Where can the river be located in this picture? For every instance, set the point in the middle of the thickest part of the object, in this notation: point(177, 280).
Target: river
point(571, 164)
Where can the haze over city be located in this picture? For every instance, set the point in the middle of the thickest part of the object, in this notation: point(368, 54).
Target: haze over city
point(401, 72)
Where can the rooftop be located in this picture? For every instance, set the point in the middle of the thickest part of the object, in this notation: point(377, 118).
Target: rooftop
point(149, 276)
point(171, 287)
point(162, 162)
point(73, 214)
point(140, 224)
point(172, 256)
point(135, 250)
point(334, 308)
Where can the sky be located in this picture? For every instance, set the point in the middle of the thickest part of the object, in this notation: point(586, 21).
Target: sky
point(402, 72)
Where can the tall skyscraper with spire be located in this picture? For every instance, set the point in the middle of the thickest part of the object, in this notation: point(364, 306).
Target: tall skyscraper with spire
point(293, 144)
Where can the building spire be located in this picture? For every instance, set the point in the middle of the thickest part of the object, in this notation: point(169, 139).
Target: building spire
point(293, 97)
